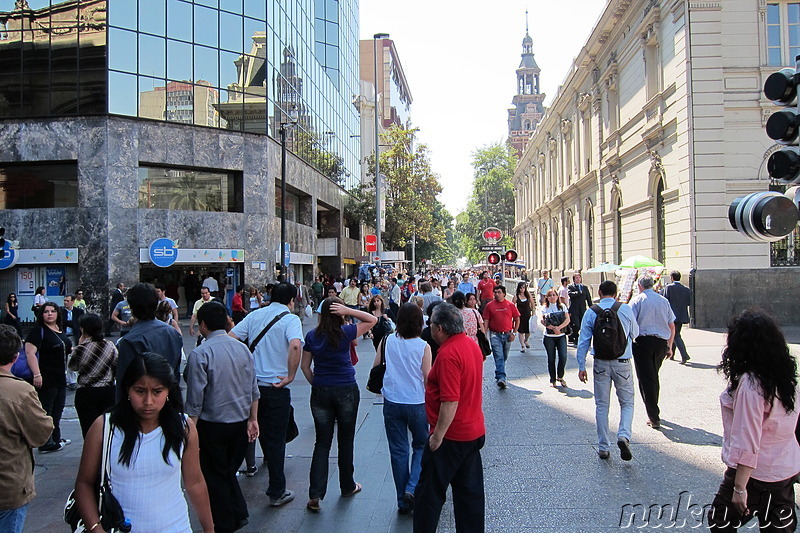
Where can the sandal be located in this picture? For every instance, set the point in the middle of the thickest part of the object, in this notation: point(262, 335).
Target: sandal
point(553, 384)
point(563, 382)
point(352, 492)
point(313, 505)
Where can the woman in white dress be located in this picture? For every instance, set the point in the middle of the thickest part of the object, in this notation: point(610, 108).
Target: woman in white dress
point(153, 446)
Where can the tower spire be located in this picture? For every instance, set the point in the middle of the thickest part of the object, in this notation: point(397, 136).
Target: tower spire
point(526, 20)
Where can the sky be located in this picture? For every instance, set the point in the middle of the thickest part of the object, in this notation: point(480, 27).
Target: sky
point(460, 58)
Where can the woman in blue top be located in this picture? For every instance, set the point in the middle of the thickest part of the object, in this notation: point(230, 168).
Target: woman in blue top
point(334, 393)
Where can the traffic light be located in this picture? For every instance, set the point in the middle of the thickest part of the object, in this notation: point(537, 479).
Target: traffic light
point(771, 216)
point(511, 255)
point(493, 258)
point(784, 126)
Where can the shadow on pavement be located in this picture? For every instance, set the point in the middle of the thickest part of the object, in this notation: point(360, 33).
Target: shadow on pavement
point(686, 435)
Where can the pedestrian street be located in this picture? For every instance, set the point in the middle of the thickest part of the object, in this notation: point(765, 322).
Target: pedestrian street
point(542, 472)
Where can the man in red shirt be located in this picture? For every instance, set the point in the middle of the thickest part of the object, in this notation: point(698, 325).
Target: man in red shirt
point(454, 405)
point(502, 318)
point(485, 287)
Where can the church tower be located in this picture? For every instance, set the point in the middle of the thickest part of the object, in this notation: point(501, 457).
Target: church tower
point(528, 109)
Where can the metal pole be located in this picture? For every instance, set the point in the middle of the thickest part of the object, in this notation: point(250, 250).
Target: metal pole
point(378, 183)
point(413, 250)
point(283, 202)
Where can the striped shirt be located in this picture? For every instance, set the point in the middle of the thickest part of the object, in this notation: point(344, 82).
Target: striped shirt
point(95, 362)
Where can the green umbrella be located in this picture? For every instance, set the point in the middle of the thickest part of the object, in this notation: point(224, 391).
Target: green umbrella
point(604, 267)
point(640, 261)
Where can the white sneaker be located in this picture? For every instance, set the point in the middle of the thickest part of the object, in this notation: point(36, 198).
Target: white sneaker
point(285, 498)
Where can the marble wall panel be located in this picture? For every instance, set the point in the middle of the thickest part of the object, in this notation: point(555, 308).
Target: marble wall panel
point(205, 148)
point(122, 183)
point(123, 143)
point(153, 138)
point(180, 146)
point(9, 143)
point(231, 151)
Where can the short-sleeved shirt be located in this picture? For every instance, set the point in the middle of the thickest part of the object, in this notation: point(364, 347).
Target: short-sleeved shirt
point(124, 313)
point(172, 303)
point(457, 376)
point(653, 314)
point(53, 349)
point(499, 316)
point(486, 289)
point(271, 355)
point(543, 285)
point(332, 364)
point(198, 304)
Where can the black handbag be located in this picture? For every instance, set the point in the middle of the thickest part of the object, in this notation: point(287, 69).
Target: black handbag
point(483, 342)
point(376, 373)
point(292, 431)
point(111, 514)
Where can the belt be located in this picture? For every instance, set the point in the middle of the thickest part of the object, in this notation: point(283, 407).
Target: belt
point(652, 335)
point(500, 332)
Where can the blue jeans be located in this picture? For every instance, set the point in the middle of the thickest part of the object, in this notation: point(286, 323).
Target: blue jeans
point(551, 345)
point(273, 419)
point(500, 348)
point(399, 419)
point(619, 372)
point(12, 520)
point(331, 406)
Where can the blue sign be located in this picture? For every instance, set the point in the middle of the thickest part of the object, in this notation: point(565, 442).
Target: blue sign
point(9, 258)
point(163, 252)
point(287, 253)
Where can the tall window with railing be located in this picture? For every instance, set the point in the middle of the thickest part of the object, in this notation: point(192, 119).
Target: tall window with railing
point(785, 252)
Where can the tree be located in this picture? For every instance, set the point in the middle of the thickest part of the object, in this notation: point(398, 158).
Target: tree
point(491, 203)
point(410, 189)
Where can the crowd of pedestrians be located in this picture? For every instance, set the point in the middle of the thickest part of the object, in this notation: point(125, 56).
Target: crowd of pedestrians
point(427, 334)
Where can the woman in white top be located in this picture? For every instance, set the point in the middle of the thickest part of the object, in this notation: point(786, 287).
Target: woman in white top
point(408, 361)
point(255, 299)
point(555, 318)
point(153, 445)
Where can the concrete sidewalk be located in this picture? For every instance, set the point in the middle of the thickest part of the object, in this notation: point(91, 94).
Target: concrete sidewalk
point(540, 462)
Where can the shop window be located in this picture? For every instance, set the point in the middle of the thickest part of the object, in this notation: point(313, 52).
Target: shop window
point(39, 185)
point(190, 189)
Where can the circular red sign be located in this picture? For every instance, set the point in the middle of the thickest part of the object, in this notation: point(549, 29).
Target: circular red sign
point(492, 235)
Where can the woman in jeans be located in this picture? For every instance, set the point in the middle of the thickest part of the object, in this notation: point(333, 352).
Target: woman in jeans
point(555, 318)
point(334, 393)
point(759, 417)
point(49, 378)
point(408, 361)
point(95, 361)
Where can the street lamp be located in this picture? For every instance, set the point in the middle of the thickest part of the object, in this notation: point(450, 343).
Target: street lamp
point(288, 120)
point(378, 184)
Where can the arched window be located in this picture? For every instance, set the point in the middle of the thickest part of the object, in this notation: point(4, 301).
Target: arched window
point(589, 236)
point(616, 204)
point(568, 241)
point(556, 263)
point(661, 223)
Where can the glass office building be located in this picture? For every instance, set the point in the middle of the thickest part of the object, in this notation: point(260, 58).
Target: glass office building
point(229, 64)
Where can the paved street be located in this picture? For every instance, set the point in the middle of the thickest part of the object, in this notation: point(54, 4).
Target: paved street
point(541, 467)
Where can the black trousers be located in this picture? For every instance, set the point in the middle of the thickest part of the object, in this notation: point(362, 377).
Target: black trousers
point(222, 448)
point(91, 402)
point(772, 503)
point(459, 465)
point(678, 342)
point(575, 320)
point(273, 420)
point(53, 400)
point(648, 355)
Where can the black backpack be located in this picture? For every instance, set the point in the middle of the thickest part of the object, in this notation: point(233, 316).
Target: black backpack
point(609, 336)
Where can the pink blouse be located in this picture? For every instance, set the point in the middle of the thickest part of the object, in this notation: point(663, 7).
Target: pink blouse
point(757, 434)
point(472, 319)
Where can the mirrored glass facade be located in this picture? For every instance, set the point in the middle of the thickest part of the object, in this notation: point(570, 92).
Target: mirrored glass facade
point(231, 64)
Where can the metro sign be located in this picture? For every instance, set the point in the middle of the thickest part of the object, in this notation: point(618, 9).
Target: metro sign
point(492, 235)
point(371, 243)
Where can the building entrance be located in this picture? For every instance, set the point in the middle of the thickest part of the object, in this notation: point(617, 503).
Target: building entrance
point(182, 282)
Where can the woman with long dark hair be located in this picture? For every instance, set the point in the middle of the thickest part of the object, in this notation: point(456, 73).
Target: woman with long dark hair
point(39, 300)
point(522, 299)
point(377, 308)
point(473, 321)
point(408, 361)
point(759, 417)
point(12, 313)
point(49, 378)
point(326, 364)
point(153, 446)
point(555, 318)
point(95, 361)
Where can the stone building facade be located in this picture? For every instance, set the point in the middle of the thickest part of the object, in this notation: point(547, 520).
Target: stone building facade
point(657, 128)
point(94, 167)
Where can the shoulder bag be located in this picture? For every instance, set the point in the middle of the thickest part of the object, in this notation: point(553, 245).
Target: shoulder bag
point(292, 431)
point(376, 373)
point(111, 514)
point(483, 342)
